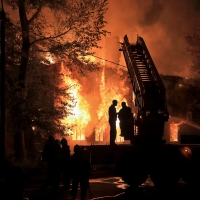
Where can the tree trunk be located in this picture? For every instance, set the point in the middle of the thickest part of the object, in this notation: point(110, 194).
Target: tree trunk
point(25, 43)
point(20, 139)
point(20, 150)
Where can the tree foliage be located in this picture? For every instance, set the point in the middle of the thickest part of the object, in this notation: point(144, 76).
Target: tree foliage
point(193, 48)
point(183, 97)
point(45, 104)
point(67, 30)
point(37, 31)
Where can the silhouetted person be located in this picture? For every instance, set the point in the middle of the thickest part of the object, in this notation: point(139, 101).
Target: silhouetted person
point(80, 170)
point(47, 151)
point(124, 115)
point(47, 156)
point(112, 121)
point(56, 166)
point(65, 163)
point(87, 153)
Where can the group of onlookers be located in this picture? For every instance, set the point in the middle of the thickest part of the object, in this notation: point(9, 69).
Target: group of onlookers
point(61, 164)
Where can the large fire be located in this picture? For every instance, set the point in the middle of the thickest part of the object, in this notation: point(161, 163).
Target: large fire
point(90, 114)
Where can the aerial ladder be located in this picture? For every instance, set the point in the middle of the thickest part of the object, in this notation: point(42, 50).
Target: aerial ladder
point(148, 154)
point(148, 91)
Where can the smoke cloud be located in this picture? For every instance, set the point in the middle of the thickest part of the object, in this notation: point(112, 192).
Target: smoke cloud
point(153, 13)
point(162, 24)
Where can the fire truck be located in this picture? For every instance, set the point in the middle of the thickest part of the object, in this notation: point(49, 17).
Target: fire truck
point(148, 154)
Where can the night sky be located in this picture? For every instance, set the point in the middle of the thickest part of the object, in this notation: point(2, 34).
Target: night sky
point(162, 24)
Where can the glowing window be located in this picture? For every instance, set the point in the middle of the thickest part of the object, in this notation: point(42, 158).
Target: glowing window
point(174, 132)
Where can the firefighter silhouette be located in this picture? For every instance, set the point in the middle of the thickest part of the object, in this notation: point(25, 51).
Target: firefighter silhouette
point(124, 117)
point(46, 157)
point(65, 163)
point(80, 167)
point(112, 121)
point(56, 166)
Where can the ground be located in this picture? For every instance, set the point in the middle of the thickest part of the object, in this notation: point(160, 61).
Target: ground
point(104, 185)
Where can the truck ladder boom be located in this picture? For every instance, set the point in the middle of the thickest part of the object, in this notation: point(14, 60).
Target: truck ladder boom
point(147, 84)
point(148, 88)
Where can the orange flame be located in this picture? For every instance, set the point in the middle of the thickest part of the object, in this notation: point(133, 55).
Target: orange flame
point(81, 115)
point(174, 132)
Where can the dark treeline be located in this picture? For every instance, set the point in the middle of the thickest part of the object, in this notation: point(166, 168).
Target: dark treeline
point(183, 97)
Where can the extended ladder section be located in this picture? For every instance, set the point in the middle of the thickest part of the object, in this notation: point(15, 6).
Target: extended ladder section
point(148, 88)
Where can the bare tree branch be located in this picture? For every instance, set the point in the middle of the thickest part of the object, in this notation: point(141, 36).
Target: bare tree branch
point(35, 15)
point(51, 37)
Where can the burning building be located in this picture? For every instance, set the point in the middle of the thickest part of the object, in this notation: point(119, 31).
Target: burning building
point(181, 131)
point(94, 94)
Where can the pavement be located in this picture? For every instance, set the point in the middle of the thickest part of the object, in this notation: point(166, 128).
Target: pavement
point(111, 187)
point(37, 187)
point(105, 185)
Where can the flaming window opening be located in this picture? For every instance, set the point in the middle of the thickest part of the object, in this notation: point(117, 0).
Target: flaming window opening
point(174, 132)
point(183, 127)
